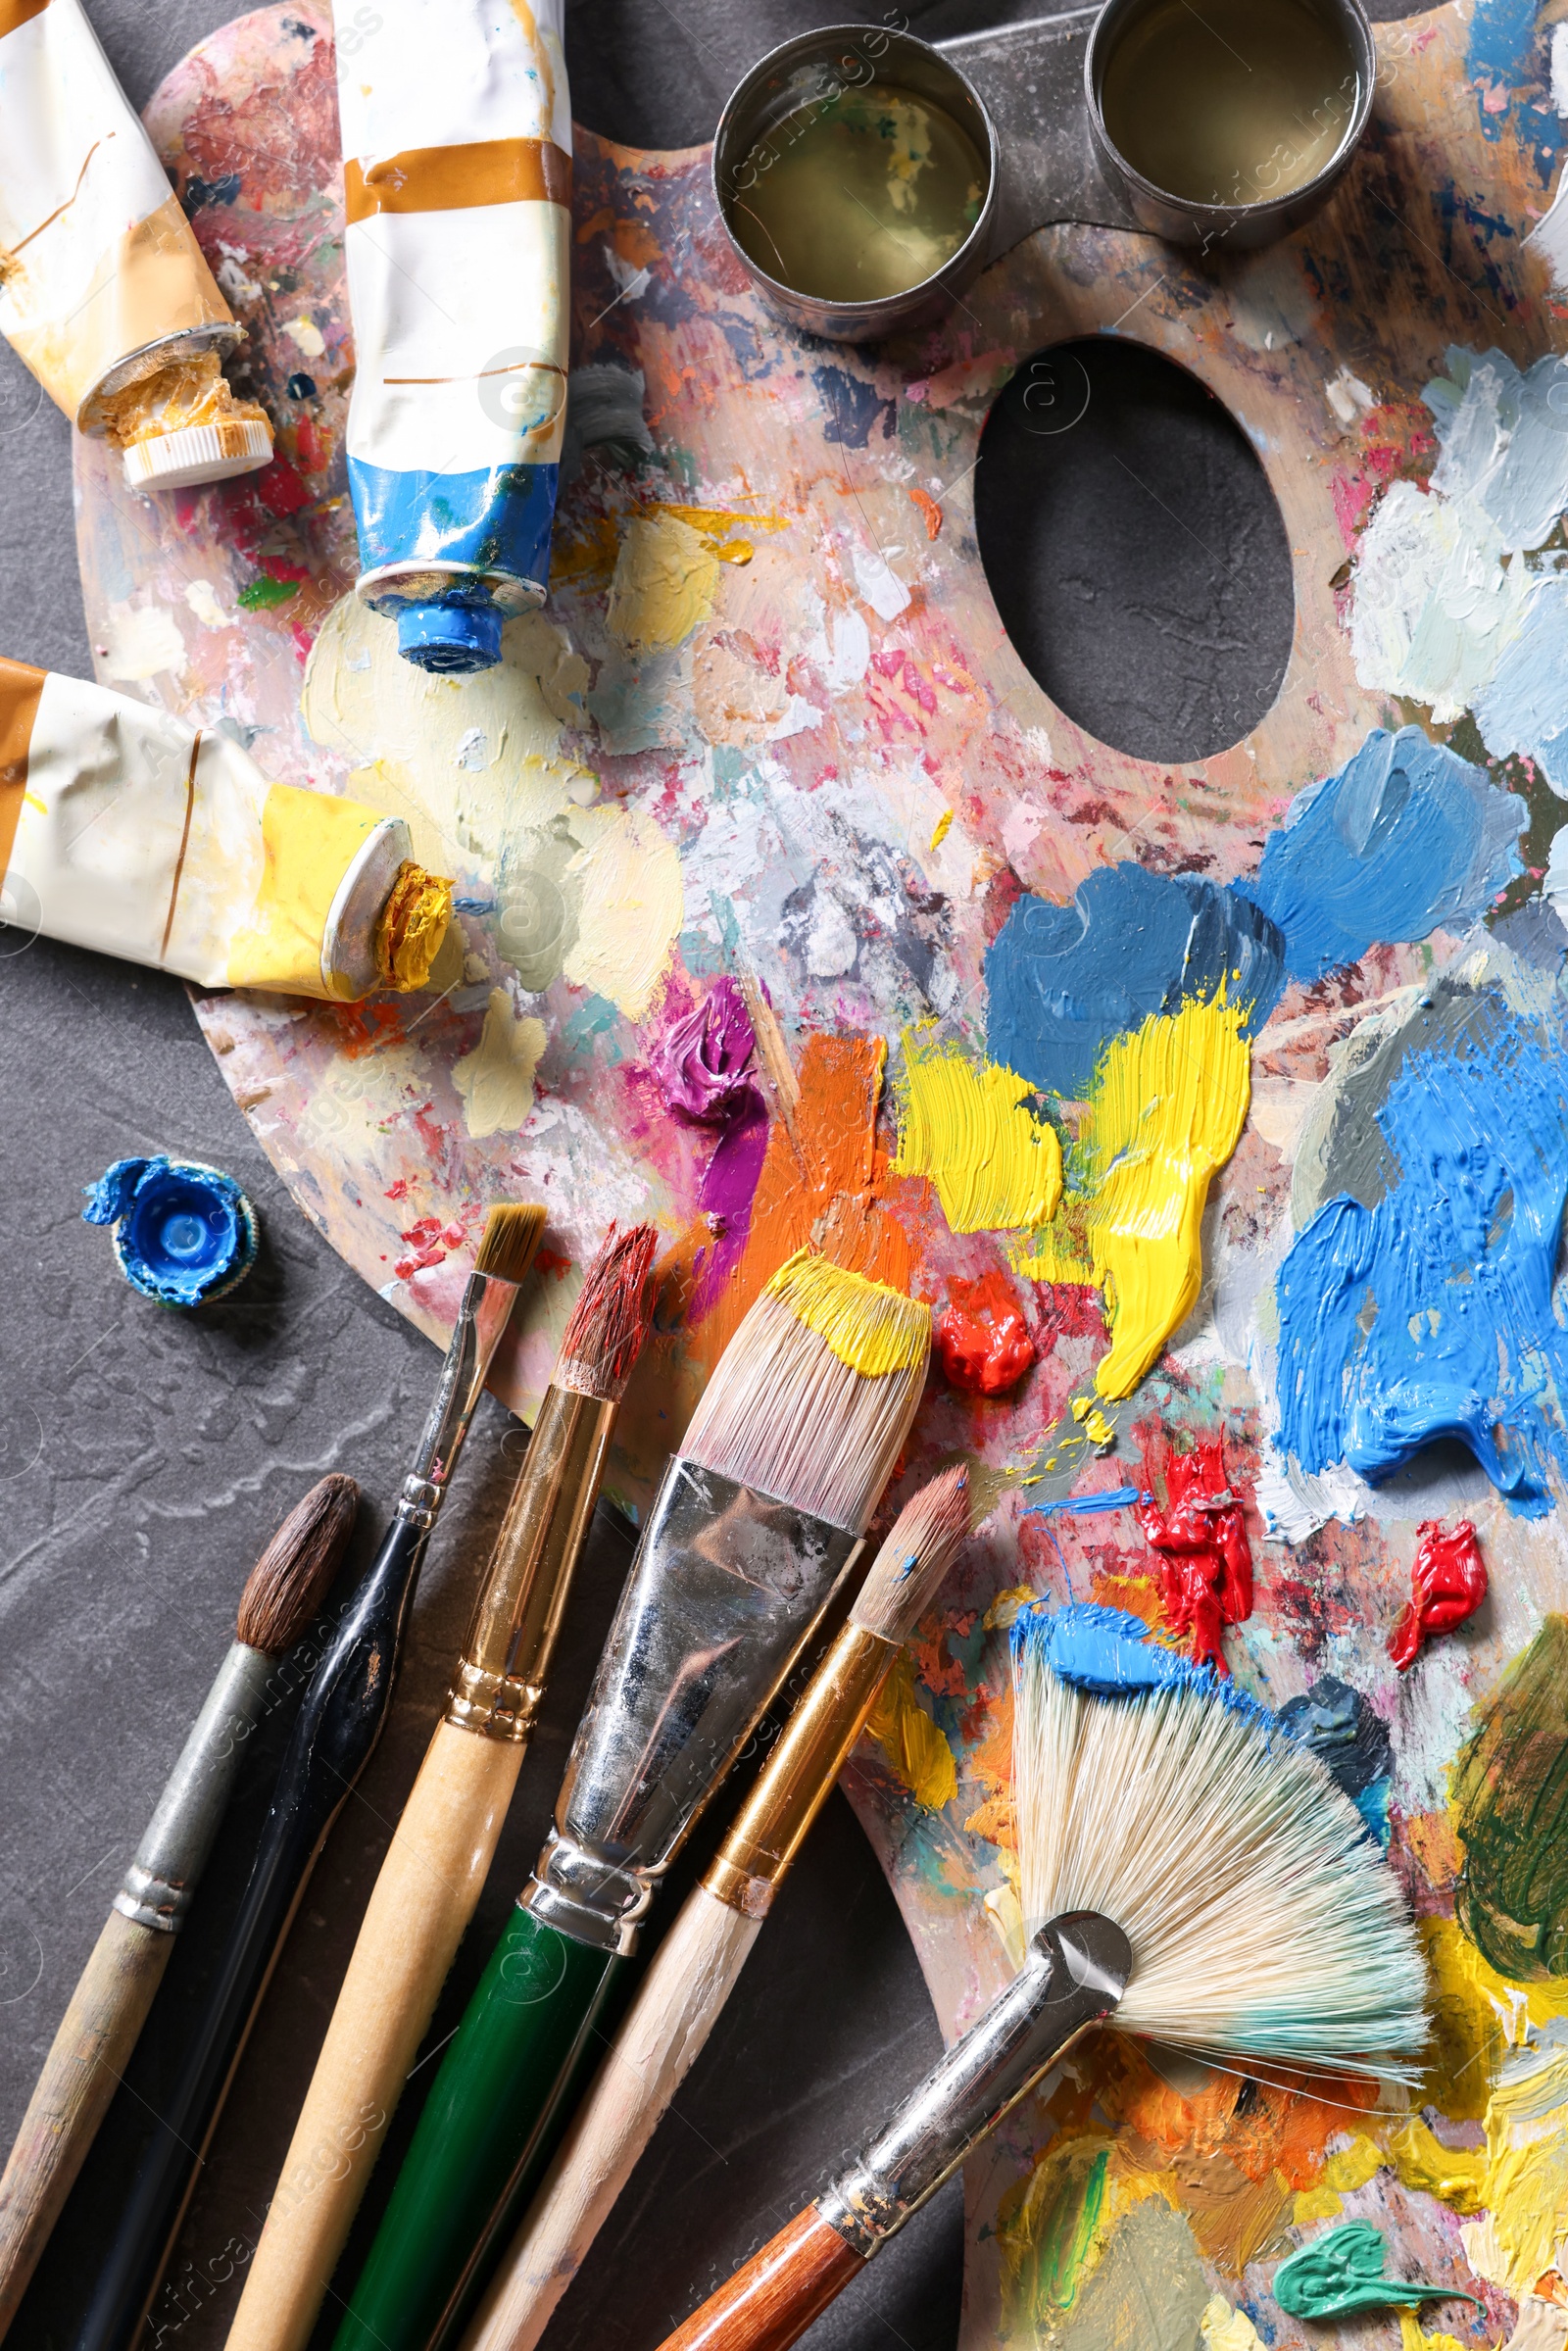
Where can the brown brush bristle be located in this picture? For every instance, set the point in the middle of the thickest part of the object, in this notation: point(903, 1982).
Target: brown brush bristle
point(610, 1320)
point(510, 1241)
point(920, 1550)
point(290, 1580)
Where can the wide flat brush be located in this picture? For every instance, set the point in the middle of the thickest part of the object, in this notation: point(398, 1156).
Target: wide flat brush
point(700, 1959)
point(339, 1722)
point(755, 1524)
point(1203, 1883)
point(114, 1990)
point(440, 1855)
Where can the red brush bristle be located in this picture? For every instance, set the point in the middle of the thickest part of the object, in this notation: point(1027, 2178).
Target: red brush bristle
point(610, 1319)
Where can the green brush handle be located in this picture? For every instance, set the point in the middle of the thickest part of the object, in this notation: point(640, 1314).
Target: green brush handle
point(500, 2105)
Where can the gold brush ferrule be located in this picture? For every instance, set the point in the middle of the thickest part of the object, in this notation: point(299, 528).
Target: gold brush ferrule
point(501, 1675)
point(798, 1776)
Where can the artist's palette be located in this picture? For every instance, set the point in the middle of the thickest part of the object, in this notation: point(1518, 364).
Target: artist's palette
point(770, 718)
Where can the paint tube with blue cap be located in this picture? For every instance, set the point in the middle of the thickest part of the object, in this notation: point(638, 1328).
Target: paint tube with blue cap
point(457, 143)
point(124, 829)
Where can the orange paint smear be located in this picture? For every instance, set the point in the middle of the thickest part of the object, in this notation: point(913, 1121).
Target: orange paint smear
point(828, 1191)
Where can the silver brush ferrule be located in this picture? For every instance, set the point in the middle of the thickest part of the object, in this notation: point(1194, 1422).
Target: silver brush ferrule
point(1076, 1973)
point(721, 1598)
point(482, 1316)
point(172, 1850)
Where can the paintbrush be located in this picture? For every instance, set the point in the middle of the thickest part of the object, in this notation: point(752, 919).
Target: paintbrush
point(1201, 1882)
point(757, 1520)
point(115, 1988)
point(701, 1958)
point(339, 1722)
point(438, 1860)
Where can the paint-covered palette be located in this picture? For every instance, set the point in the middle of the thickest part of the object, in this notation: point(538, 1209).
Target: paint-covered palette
point(1259, 1050)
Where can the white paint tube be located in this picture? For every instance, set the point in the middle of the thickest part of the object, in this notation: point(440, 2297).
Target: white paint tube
point(103, 289)
point(457, 143)
point(124, 829)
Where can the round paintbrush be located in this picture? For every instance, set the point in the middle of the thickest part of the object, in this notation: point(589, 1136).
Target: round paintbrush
point(340, 1721)
point(679, 1999)
point(1201, 1881)
point(756, 1523)
point(438, 1860)
point(114, 1990)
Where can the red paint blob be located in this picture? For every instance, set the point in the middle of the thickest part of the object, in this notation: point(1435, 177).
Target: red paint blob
point(1448, 1584)
point(982, 1341)
point(1206, 1563)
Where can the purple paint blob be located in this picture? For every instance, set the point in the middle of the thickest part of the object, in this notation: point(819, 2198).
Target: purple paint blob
point(702, 1061)
point(728, 1187)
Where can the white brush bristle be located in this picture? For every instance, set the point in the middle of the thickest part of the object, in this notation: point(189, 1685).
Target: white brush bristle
point(1265, 1927)
point(921, 1547)
point(786, 1415)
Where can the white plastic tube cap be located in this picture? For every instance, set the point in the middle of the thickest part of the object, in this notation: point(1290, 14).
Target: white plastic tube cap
point(198, 453)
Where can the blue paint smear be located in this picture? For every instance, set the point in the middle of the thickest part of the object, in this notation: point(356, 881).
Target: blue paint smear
point(1406, 837)
point(1351, 1741)
point(1107, 1654)
point(852, 406)
point(1502, 34)
point(1524, 705)
point(1430, 1314)
point(184, 1233)
point(1065, 980)
point(1088, 1506)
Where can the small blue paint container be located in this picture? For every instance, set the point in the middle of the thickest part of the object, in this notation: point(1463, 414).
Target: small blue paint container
point(184, 1234)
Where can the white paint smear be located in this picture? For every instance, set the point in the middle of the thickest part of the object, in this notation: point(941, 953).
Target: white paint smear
point(880, 584)
point(632, 905)
point(145, 641)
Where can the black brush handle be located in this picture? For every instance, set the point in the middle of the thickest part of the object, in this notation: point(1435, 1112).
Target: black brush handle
point(339, 1722)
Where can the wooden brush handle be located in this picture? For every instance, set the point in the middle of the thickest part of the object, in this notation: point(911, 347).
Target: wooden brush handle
point(424, 1898)
point(771, 2302)
point(80, 2075)
point(668, 2022)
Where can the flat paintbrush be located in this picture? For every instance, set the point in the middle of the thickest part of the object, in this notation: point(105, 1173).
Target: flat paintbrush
point(339, 1722)
point(114, 1990)
point(438, 1860)
point(756, 1521)
point(1203, 1883)
point(679, 2001)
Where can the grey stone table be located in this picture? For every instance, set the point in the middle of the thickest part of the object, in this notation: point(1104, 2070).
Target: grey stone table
point(145, 1457)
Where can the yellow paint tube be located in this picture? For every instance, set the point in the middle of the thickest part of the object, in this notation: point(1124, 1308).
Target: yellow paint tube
point(103, 289)
point(124, 829)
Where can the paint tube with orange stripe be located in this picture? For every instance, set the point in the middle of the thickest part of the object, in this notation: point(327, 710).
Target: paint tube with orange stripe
point(103, 289)
point(457, 139)
point(124, 829)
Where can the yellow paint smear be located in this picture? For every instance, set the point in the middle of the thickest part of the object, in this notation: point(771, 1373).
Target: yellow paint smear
point(1457, 2175)
point(1225, 2330)
point(666, 579)
point(914, 1745)
point(942, 827)
point(496, 1080)
point(632, 908)
point(1347, 2168)
point(868, 1327)
point(1166, 1111)
point(996, 1168)
point(1411, 2337)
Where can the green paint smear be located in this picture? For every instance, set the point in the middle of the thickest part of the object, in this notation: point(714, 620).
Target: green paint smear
point(1510, 1791)
point(262, 594)
point(1342, 2273)
point(1046, 2235)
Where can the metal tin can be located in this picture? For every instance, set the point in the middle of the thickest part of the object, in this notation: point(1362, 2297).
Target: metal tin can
point(790, 85)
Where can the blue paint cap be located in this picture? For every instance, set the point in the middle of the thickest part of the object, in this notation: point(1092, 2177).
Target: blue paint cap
point(452, 639)
point(184, 1233)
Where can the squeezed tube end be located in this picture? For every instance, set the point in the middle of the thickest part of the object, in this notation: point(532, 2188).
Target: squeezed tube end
point(452, 639)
